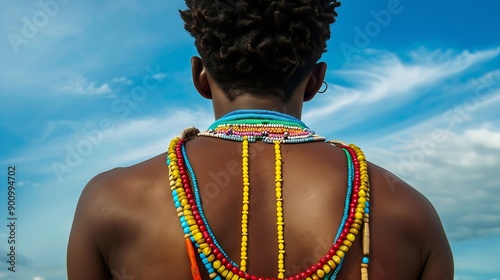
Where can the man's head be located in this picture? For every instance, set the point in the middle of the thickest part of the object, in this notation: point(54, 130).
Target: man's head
point(259, 46)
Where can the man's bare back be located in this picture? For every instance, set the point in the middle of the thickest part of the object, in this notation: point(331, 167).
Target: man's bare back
point(126, 226)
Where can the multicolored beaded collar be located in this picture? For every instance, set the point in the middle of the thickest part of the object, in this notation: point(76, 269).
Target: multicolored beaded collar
point(270, 127)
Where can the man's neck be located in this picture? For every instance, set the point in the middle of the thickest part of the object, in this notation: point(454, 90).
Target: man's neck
point(222, 105)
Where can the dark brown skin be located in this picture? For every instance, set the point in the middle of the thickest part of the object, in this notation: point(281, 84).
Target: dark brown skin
point(126, 225)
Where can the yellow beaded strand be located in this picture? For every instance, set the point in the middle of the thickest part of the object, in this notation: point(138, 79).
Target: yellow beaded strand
point(364, 196)
point(176, 184)
point(280, 223)
point(246, 201)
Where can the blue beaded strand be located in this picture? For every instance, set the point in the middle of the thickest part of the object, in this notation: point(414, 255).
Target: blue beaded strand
point(264, 115)
point(187, 231)
point(350, 178)
point(256, 114)
point(197, 197)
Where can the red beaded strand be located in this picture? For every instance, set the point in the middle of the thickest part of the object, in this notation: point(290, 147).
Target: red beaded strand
point(224, 267)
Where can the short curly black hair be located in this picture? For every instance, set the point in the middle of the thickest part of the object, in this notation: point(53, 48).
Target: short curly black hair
point(259, 46)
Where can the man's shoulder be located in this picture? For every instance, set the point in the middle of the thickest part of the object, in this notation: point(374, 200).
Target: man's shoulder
point(400, 208)
point(396, 199)
point(113, 198)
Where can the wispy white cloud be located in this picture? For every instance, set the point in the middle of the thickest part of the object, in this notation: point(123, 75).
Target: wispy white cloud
point(86, 144)
point(85, 37)
point(80, 85)
point(27, 183)
point(122, 80)
point(126, 142)
point(458, 173)
point(384, 81)
point(160, 76)
point(483, 137)
point(474, 107)
point(154, 135)
point(451, 153)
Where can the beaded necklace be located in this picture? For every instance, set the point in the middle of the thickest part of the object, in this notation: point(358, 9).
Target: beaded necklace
point(264, 125)
point(270, 127)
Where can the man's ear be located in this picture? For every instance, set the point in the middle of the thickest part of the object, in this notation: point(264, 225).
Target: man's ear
point(315, 81)
point(200, 78)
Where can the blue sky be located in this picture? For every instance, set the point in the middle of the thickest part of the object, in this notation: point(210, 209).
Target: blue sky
point(90, 85)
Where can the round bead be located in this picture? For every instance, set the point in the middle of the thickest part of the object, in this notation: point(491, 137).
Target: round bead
point(327, 268)
point(340, 253)
point(336, 259)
